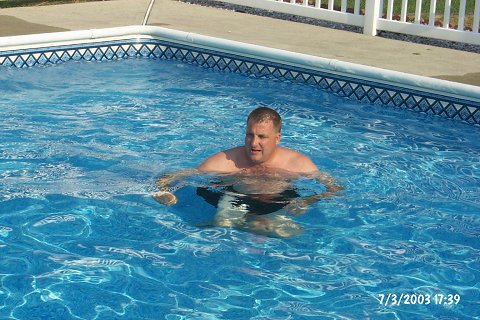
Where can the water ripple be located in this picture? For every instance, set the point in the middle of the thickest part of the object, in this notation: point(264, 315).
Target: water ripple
point(155, 259)
point(5, 231)
point(88, 262)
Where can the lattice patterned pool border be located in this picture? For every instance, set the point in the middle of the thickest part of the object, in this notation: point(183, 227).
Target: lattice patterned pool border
point(362, 90)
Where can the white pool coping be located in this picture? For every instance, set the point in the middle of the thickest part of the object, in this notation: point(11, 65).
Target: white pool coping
point(333, 66)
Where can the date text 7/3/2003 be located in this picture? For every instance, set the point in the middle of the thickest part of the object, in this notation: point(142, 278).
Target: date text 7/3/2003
point(395, 299)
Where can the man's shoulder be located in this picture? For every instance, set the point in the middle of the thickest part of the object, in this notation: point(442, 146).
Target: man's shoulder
point(291, 153)
point(297, 161)
point(223, 161)
point(234, 152)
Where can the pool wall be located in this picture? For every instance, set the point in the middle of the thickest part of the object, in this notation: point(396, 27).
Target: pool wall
point(367, 84)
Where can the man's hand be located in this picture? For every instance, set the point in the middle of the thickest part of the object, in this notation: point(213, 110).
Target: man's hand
point(165, 197)
point(297, 207)
point(300, 205)
point(165, 194)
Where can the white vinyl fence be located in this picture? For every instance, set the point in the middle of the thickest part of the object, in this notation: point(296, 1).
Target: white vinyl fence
point(378, 15)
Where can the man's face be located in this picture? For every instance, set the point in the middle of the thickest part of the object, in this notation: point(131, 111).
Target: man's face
point(261, 139)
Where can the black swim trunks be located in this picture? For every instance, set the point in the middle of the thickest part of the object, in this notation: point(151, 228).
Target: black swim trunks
point(256, 204)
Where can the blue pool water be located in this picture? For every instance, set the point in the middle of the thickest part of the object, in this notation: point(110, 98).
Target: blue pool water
point(82, 144)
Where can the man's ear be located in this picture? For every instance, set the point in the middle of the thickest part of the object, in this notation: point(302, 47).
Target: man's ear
point(277, 139)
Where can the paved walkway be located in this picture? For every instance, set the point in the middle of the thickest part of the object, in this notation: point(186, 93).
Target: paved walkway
point(396, 55)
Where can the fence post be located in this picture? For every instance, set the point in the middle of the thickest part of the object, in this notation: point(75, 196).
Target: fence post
point(372, 8)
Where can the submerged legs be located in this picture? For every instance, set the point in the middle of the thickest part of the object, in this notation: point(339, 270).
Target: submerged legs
point(233, 214)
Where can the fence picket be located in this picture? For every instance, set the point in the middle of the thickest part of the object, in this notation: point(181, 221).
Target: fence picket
point(403, 14)
point(461, 15)
point(433, 11)
point(330, 4)
point(356, 10)
point(418, 12)
point(446, 17)
point(390, 9)
point(476, 18)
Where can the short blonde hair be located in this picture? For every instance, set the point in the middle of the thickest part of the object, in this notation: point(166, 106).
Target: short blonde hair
point(262, 114)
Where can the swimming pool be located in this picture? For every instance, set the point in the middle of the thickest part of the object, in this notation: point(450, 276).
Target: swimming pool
point(80, 237)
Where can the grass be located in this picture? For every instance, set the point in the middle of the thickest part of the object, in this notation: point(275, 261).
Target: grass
point(397, 8)
point(27, 3)
point(440, 10)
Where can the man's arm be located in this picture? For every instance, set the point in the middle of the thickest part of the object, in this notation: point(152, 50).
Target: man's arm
point(165, 194)
point(300, 205)
point(220, 163)
point(332, 188)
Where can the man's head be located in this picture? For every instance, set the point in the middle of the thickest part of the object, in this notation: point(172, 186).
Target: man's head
point(262, 135)
point(262, 114)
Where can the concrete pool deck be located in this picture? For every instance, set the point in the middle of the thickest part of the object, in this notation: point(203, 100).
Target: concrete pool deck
point(418, 59)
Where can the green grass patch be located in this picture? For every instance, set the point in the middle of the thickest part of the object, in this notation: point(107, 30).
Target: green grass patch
point(411, 7)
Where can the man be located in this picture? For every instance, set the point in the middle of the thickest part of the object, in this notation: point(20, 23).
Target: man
point(259, 172)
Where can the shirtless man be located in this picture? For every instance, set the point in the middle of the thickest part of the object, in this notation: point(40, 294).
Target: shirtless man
point(261, 168)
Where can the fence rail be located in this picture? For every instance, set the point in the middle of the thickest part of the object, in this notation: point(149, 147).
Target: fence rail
point(427, 18)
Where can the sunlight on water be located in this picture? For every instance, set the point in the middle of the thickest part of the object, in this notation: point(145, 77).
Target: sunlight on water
point(82, 144)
